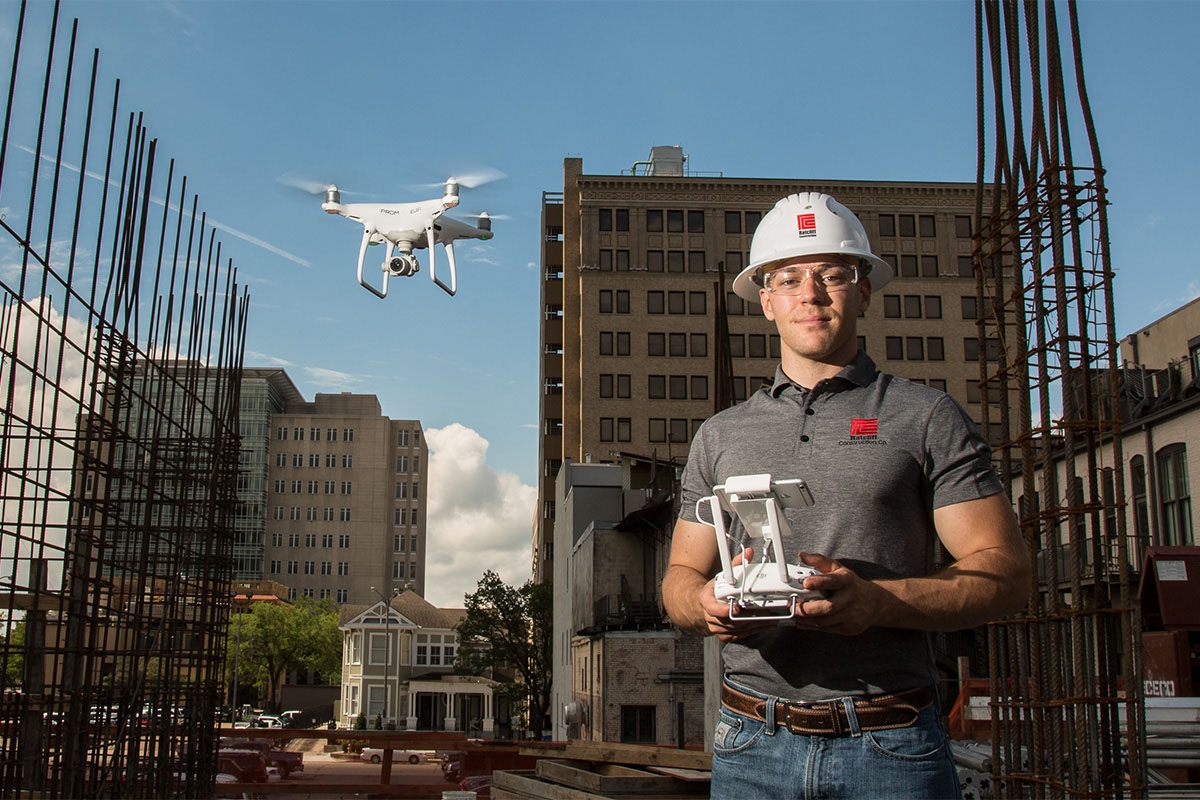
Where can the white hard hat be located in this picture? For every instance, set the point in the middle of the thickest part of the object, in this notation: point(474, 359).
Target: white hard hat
point(807, 224)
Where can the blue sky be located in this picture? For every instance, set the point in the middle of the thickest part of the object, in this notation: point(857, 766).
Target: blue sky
point(378, 95)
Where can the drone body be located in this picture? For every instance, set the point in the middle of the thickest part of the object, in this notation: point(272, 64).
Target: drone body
point(405, 227)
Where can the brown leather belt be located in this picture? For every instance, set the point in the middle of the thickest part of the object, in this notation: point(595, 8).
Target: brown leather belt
point(876, 713)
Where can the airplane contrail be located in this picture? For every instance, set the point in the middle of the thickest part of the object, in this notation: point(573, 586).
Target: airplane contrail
point(245, 237)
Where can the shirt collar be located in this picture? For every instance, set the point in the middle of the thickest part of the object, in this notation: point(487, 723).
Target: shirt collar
point(861, 371)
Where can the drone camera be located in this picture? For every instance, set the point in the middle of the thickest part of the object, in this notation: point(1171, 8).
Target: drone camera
point(484, 223)
point(404, 265)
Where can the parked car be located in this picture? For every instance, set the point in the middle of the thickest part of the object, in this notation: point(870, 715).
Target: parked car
point(266, 721)
point(248, 766)
point(375, 755)
point(293, 719)
point(286, 761)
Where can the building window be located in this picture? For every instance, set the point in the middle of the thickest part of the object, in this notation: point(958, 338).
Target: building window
point(638, 724)
point(675, 221)
point(752, 220)
point(929, 266)
point(962, 227)
point(733, 222)
point(734, 305)
point(327, 539)
point(674, 261)
point(654, 302)
point(656, 345)
point(699, 387)
point(935, 348)
point(697, 303)
point(908, 225)
point(656, 387)
point(344, 541)
point(695, 221)
point(927, 227)
point(756, 345)
point(887, 225)
point(894, 346)
point(970, 310)
point(343, 568)
point(623, 300)
point(607, 428)
point(606, 261)
point(891, 306)
point(966, 267)
point(343, 596)
point(623, 388)
point(677, 344)
point(623, 343)
point(970, 348)
point(606, 343)
point(696, 261)
point(677, 387)
point(1174, 495)
point(676, 302)
point(679, 430)
point(658, 430)
point(737, 345)
point(914, 347)
point(698, 342)
point(606, 301)
point(606, 219)
point(654, 220)
point(654, 260)
point(1141, 507)
point(908, 266)
point(606, 385)
point(624, 429)
point(622, 219)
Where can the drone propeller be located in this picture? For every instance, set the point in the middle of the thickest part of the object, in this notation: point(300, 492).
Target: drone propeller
point(485, 215)
point(312, 186)
point(469, 180)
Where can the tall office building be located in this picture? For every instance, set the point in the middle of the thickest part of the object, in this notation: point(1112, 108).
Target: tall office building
point(345, 503)
point(264, 393)
point(631, 290)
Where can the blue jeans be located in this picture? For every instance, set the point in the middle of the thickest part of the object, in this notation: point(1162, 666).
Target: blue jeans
point(752, 761)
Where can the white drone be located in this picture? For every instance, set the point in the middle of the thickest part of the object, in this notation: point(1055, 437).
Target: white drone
point(405, 227)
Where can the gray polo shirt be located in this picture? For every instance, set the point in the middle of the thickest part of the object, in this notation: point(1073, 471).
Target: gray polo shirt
point(879, 454)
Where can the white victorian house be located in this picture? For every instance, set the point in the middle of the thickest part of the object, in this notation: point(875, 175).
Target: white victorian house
point(398, 667)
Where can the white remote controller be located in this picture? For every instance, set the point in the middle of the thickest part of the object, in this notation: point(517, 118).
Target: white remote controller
point(767, 587)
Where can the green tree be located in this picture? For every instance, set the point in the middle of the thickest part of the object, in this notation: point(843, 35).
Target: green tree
point(14, 656)
point(276, 639)
point(508, 627)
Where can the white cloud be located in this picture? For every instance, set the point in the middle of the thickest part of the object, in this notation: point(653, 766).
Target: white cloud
point(331, 378)
point(271, 361)
point(478, 517)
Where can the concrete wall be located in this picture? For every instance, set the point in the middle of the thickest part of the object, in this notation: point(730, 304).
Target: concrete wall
point(1164, 340)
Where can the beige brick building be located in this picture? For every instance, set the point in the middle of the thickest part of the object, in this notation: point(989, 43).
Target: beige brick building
point(345, 500)
point(630, 294)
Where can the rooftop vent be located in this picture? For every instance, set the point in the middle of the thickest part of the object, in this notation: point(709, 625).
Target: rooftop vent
point(665, 161)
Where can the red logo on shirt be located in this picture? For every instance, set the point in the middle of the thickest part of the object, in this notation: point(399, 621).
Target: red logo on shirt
point(806, 224)
point(864, 427)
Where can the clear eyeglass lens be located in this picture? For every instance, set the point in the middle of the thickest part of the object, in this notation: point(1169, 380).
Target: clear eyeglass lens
point(830, 276)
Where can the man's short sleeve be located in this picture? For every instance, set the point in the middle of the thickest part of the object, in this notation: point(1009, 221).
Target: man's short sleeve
point(958, 462)
point(697, 479)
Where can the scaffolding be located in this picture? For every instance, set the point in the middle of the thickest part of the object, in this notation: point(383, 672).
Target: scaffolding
point(1067, 713)
point(122, 331)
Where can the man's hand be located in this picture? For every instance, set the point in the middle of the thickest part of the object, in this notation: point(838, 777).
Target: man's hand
point(850, 603)
point(716, 612)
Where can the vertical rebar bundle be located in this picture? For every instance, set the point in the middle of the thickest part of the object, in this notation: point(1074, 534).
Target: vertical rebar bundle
point(1067, 714)
point(121, 341)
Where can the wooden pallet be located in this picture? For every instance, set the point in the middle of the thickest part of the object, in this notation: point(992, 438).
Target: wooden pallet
point(582, 778)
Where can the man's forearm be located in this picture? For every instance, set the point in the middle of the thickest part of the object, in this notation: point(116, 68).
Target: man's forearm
point(681, 591)
point(970, 592)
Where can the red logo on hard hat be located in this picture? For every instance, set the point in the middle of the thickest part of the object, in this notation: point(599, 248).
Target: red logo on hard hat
point(806, 224)
point(864, 427)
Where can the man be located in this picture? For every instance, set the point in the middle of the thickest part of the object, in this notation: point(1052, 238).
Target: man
point(839, 701)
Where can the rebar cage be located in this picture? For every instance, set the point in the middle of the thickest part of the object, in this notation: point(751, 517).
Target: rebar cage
point(122, 333)
point(1066, 706)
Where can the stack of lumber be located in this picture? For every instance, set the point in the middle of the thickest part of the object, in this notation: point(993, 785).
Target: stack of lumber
point(606, 771)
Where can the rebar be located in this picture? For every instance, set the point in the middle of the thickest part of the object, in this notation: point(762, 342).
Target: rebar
point(122, 331)
point(1063, 669)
